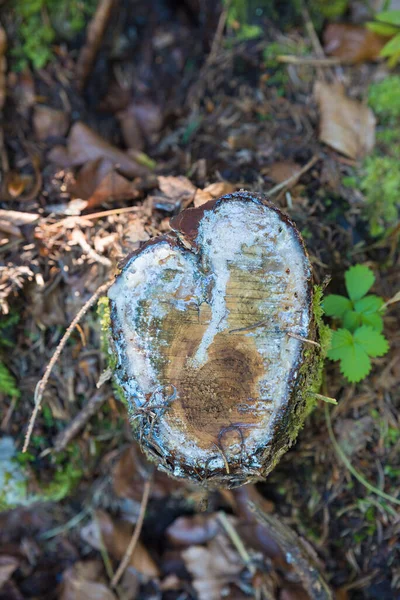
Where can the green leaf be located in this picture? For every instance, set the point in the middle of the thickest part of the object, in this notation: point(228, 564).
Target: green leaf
point(351, 320)
point(354, 361)
point(383, 28)
point(341, 339)
point(392, 17)
point(372, 342)
point(359, 280)
point(392, 47)
point(335, 305)
point(373, 320)
point(368, 304)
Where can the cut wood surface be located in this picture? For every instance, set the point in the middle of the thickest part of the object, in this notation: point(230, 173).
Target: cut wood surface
point(211, 328)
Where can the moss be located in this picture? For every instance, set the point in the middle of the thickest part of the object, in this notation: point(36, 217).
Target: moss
point(16, 475)
point(384, 98)
point(41, 22)
point(381, 185)
point(104, 316)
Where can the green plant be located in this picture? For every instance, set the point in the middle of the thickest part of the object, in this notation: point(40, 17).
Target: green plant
point(41, 22)
point(8, 385)
point(381, 185)
point(384, 98)
point(360, 314)
point(387, 23)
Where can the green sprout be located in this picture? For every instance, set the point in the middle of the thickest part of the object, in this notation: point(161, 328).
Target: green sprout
point(360, 338)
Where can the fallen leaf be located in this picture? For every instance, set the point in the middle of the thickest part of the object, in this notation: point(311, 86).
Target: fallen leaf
point(16, 183)
point(141, 123)
point(293, 592)
point(116, 535)
point(8, 564)
point(130, 473)
point(214, 190)
point(352, 43)
point(283, 170)
point(80, 582)
point(353, 434)
point(195, 530)
point(85, 145)
point(175, 192)
point(49, 122)
point(114, 187)
point(213, 567)
point(346, 125)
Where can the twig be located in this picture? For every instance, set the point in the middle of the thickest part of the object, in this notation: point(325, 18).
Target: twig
point(41, 386)
point(327, 399)
point(350, 467)
point(292, 180)
point(95, 33)
point(309, 60)
point(90, 408)
point(236, 541)
point(303, 339)
point(135, 536)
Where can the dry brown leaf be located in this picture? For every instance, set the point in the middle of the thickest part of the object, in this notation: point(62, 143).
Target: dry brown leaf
point(114, 187)
point(175, 192)
point(346, 125)
point(89, 177)
point(116, 535)
point(16, 183)
point(213, 567)
point(85, 145)
point(130, 473)
point(283, 170)
point(141, 123)
point(80, 582)
point(214, 190)
point(195, 530)
point(3, 66)
point(8, 564)
point(352, 43)
point(49, 122)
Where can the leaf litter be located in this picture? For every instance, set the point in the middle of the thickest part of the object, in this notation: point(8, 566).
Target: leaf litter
point(96, 200)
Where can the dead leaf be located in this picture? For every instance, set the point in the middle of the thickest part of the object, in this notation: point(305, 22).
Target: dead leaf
point(213, 567)
point(114, 187)
point(49, 122)
point(116, 535)
point(130, 473)
point(85, 145)
point(352, 43)
point(80, 582)
point(16, 183)
point(23, 91)
point(3, 66)
point(175, 193)
point(346, 125)
point(214, 190)
point(188, 531)
point(353, 434)
point(293, 592)
point(8, 564)
point(283, 170)
point(141, 123)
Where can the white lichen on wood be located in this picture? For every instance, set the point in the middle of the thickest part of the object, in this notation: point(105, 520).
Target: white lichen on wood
point(200, 326)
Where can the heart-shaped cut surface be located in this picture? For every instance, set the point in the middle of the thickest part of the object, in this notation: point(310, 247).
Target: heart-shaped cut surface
point(213, 329)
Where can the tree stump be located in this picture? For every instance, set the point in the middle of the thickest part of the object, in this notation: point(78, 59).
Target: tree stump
point(215, 341)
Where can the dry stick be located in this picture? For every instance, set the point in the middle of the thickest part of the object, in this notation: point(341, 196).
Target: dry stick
point(41, 386)
point(291, 180)
point(135, 536)
point(314, 62)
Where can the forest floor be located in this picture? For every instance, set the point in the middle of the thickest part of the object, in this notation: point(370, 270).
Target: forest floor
point(156, 107)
